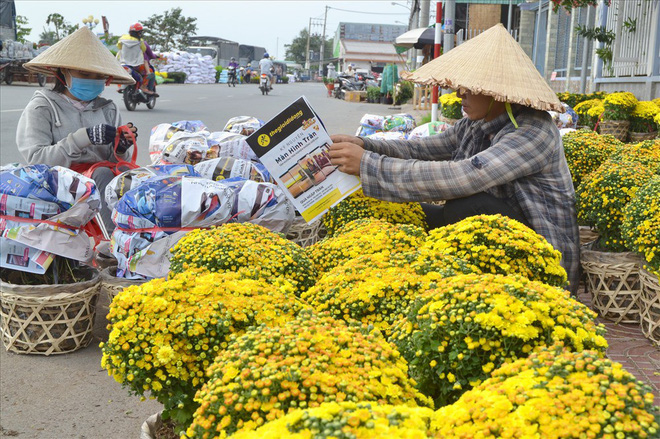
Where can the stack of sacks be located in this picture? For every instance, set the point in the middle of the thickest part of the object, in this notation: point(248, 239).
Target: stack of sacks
point(429, 129)
point(567, 121)
point(198, 69)
point(17, 50)
point(394, 127)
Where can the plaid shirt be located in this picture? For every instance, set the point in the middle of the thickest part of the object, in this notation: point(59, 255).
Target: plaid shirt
point(524, 167)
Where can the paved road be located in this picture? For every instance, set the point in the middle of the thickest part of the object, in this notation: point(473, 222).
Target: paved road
point(213, 104)
point(70, 396)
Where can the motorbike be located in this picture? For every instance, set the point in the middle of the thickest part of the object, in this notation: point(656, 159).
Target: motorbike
point(134, 96)
point(347, 83)
point(231, 76)
point(264, 84)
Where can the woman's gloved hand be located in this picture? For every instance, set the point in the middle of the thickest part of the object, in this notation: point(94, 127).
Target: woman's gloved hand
point(125, 141)
point(101, 134)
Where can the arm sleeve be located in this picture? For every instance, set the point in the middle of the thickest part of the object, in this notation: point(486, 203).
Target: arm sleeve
point(35, 139)
point(515, 155)
point(438, 147)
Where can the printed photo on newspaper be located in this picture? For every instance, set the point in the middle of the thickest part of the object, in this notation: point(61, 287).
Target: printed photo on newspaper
point(293, 146)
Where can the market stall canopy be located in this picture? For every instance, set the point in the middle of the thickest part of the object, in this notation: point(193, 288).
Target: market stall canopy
point(416, 38)
point(492, 64)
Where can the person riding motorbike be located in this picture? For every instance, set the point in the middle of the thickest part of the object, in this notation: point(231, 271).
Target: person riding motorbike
point(232, 71)
point(131, 54)
point(151, 77)
point(266, 67)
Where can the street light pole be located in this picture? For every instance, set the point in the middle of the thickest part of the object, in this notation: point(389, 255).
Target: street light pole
point(325, 17)
point(309, 33)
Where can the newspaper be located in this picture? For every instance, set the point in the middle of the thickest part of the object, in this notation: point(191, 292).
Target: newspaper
point(31, 194)
point(293, 146)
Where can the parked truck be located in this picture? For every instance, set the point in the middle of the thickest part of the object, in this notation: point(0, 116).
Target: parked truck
point(219, 49)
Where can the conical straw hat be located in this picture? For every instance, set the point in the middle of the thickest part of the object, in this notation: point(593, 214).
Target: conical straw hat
point(492, 64)
point(82, 50)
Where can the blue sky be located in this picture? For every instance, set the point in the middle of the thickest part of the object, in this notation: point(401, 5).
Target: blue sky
point(269, 24)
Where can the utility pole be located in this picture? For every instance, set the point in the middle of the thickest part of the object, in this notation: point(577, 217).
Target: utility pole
point(585, 57)
point(309, 34)
point(322, 62)
point(414, 24)
point(448, 37)
point(424, 13)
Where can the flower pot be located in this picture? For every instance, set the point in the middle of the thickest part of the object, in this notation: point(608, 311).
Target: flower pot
point(302, 233)
point(112, 285)
point(151, 426)
point(49, 319)
point(649, 301)
point(587, 235)
point(617, 128)
point(638, 137)
point(612, 279)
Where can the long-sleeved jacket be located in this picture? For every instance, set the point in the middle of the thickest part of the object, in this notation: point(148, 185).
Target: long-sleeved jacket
point(524, 167)
point(52, 131)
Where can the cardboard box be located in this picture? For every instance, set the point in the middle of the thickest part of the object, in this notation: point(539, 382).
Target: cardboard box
point(356, 96)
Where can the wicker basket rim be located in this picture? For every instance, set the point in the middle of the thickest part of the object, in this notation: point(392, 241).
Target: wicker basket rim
point(7, 288)
point(108, 278)
point(616, 257)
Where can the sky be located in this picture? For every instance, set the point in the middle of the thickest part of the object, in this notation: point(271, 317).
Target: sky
point(269, 24)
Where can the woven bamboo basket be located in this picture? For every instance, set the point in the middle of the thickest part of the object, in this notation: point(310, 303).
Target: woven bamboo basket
point(304, 234)
point(650, 306)
point(612, 279)
point(617, 128)
point(587, 235)
point(49, 319)
point(112, 285)
point(638, 137)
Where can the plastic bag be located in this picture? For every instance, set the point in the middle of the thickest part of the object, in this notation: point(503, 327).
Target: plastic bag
point(429, 129)
point(184, 147)
point(399, 122)
point(393, 135)
point(31, 194)
point(132, 178)
point(226, 144)
point(244, 125)
point(160, 135)
point(223, 168)
point(372, 121)
point(192, 126)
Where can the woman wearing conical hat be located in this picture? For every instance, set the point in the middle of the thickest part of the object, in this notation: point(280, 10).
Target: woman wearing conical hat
point(505, 157)
point(71, 125)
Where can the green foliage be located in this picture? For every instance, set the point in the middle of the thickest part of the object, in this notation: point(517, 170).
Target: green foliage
point(254, 79)
point(425, 119)
point(373, 94)
point(62, 27)
point(405, 92)
point(169, 30)
point(21, 30)
point(297, 50)
point(218, 70)
point(177, 77)
point(285, 79)
point(602, 35)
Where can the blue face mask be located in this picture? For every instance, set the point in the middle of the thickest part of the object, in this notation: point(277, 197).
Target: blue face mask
point(86, 89)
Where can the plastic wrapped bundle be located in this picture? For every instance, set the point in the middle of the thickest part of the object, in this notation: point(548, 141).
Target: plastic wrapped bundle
point(568, 119)
point(399, 122)
point(373, 121)
point(160, 136)
point(223, 168)
point(30, 195)
point(192, 126)
point(164, 205)
point(244, 125)
point(392, 135)
point(226, 144)
point(429, 129)
point(366, 131)
point(261, 203)
point(185, 147)
point(132, 178)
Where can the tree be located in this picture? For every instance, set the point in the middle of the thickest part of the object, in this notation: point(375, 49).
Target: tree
point(21, 30)
point(47, 37)
point(169, 30)
point(62, 27)
point(296, 51)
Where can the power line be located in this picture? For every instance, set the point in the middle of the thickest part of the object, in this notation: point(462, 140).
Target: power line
point(370, 13)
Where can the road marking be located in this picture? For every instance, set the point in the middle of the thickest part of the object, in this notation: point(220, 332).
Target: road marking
point(230, 96)
point(11, 111)
point(202, 97)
